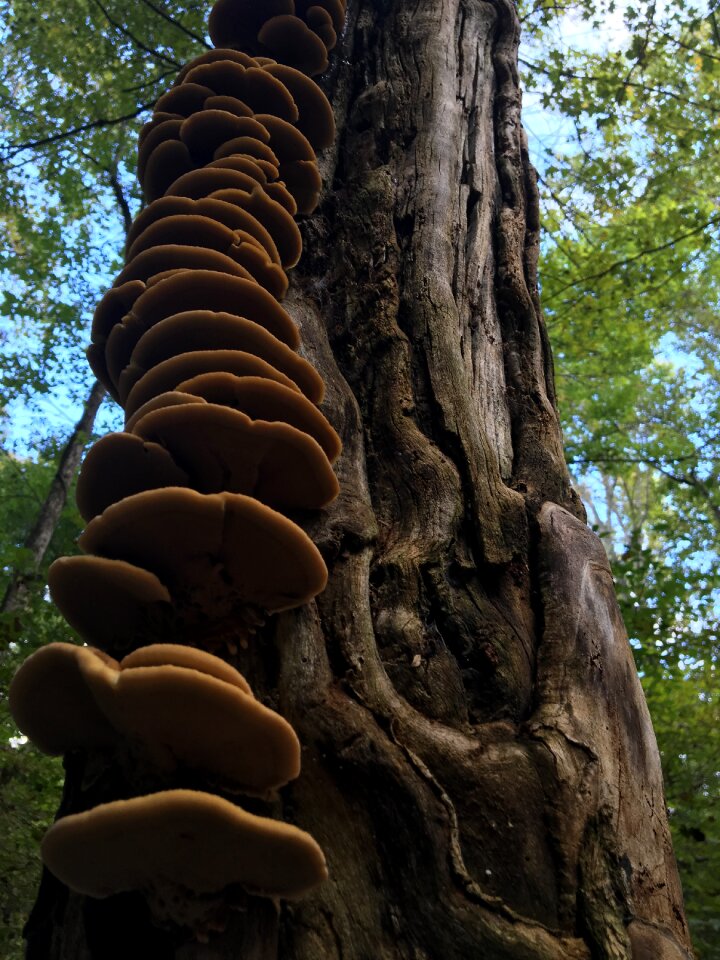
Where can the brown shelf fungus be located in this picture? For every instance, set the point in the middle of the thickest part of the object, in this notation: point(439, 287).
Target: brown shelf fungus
point(224, 449)
point(211, 549)
point(52, 704)
point(266, 400)
point(184, 540)
point(130, 605)
point(178, 845)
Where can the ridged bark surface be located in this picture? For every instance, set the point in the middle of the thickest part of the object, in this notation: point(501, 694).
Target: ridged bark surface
point(478, 762)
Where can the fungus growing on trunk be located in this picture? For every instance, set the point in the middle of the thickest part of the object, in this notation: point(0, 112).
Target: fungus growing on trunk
point(187, 538)
point(173, 709)
point(130, 605)
point(180, 843)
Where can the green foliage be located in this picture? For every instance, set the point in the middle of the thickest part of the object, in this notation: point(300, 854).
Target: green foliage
point(30, 783)
point(631, 280)
point(75, 85)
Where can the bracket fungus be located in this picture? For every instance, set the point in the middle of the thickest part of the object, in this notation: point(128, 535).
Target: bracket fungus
point(177, 708)
point(188, 546)
point(178, 846)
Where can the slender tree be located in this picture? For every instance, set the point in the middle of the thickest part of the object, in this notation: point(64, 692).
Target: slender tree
point(478, 765)
point(51, 509)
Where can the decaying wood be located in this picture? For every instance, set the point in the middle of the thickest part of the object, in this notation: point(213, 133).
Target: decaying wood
point(478, 763)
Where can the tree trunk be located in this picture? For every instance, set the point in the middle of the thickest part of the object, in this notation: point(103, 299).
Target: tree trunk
point(39, 538)
point(478, 763)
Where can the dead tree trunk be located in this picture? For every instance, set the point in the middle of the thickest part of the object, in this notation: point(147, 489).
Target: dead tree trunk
point(479, 764)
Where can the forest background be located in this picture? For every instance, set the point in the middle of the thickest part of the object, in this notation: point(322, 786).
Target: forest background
point(622, 107)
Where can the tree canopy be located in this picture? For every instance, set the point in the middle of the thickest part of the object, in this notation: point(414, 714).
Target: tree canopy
point(629, 275)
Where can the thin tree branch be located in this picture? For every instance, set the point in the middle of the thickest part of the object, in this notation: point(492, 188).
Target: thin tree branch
point(176, 23)
point(637, 256)
point(133, 39)
point(687, 46)
point(149, 83)
point(671, 94)
point(48, 518)
point(122, 203)
point(66, 134)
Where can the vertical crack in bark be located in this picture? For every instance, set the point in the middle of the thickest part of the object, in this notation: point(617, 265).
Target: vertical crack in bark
point(539, 466)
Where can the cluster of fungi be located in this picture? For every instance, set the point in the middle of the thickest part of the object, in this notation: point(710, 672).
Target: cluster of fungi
point(188, 545)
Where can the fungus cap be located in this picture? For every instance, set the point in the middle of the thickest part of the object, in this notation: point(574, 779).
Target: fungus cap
point(51, 703)
point(153, 134)
point(272, 215)
point(185, 229)
point(202, 290)
point(245, 163)
point(189, 713)
point(255, 260)
point(119, 347)
point(115, 303)
point(303, 181)
point(265, 400)
point(202, 182)
point(256, 306)
point(291, 41)
point(180, 716)
point(286, 140)
point(205, 131)
point(229, 104)
point(185, 99)
point(179, 655)
point(213, 56)
point(224, 449)
point(167, 163)
point(180, 838)
point(280, 194)
point(215, 550)
point(95, 354)
point(173, 256)
point(321, 23)
point(130, 604)
point(168, 399)
point(316, 118)
point(249, 145)
point(235, 23)
point(336, 9)
point(227, 214)
point(166, 375)
point(190, 332)
point(119, 465)
point(260, 90)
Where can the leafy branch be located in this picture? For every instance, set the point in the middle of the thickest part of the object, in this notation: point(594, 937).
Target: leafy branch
point(133, 39)
point(176, 23)
point(73, 131)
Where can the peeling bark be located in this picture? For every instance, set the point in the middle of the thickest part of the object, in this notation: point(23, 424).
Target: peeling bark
point(478, 765)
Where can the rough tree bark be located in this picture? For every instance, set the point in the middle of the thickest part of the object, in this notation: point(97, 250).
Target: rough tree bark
point(479, 764)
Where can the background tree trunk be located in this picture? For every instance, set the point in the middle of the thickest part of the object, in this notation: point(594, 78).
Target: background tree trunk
point(38, 540)
point(478, 764)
